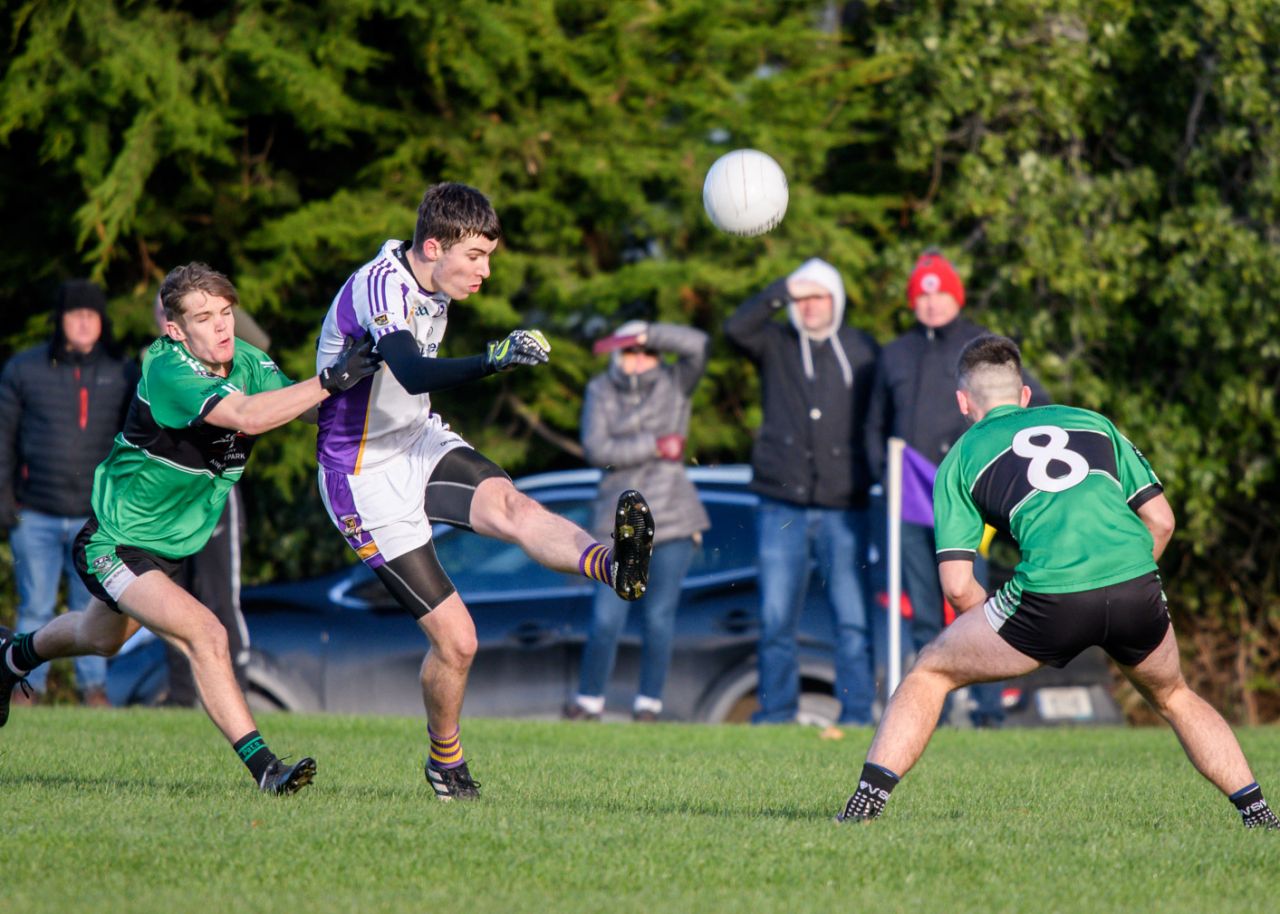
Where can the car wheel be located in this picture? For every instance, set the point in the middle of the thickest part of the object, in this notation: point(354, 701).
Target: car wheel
point(260, 700)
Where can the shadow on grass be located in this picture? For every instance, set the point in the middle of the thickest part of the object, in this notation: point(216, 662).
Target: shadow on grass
point(710, 809)
point(105, 784)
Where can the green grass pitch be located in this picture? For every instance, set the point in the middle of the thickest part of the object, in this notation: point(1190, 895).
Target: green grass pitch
point(145, 811)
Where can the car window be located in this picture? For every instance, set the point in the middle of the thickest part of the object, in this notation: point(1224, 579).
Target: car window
point(730, 544)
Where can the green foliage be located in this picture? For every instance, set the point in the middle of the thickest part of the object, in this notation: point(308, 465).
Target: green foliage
point(1106, 175)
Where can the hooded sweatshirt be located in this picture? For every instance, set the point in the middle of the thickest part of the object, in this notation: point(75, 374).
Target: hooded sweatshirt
point(59, 412)
point(815, 388)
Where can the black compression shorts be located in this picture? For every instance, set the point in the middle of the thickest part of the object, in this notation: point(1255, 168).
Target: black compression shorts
point(453, 484)
point(1127, 620)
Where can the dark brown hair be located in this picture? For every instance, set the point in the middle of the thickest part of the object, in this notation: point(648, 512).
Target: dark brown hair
point(450, 212)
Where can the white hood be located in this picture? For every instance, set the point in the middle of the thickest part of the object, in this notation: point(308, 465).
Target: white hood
point(824, 274)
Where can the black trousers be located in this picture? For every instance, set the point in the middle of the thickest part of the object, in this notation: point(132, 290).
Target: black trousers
point(212, 576)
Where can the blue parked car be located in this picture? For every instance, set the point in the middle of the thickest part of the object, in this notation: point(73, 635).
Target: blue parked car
point(341, 643)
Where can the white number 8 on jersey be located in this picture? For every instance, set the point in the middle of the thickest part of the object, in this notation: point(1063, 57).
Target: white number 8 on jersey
point(1042, 455)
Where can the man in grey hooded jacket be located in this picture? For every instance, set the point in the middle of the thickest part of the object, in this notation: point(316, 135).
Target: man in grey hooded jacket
point(635, 419)
point(810, 468)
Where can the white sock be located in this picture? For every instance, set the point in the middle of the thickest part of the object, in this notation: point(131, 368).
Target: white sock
point(592, 704)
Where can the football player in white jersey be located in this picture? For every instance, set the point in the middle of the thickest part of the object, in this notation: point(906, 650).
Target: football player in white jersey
point(389, 466)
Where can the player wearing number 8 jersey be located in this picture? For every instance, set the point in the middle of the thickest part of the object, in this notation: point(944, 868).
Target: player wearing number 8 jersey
point(1091, 520)
point(1066, 485)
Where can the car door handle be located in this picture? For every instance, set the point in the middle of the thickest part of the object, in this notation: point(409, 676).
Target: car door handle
point(532, 634)
point(738, 621)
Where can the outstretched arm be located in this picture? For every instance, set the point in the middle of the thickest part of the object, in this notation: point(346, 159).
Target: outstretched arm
point(421, 375)
point(254, 414)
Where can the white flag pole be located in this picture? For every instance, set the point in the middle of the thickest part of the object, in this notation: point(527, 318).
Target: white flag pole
point(894, 512)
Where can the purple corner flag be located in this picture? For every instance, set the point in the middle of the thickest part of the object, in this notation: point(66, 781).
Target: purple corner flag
point(918, 475)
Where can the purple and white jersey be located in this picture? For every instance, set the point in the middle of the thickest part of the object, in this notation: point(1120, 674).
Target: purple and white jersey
point(377, 419)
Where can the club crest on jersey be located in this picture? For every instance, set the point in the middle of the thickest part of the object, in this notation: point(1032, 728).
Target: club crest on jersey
point(382, 320)
point(350, 524)
point(101, 564)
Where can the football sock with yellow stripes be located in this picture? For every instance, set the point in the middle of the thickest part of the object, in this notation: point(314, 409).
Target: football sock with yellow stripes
point(446, 751)
point(597, 563)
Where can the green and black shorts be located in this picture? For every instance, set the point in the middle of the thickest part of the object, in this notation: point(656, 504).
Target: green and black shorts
point(1128, 620)
point(108, 568)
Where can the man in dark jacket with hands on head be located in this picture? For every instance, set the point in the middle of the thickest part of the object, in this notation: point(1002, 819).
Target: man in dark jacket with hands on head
point(810, 469)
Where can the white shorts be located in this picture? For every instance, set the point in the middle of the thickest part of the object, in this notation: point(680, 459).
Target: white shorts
point(382, 512)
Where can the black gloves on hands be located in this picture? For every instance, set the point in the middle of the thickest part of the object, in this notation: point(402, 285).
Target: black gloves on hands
point(356, 363)
point(521, 347)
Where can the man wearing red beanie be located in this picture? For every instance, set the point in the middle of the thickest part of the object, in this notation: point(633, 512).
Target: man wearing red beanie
point(914, 399)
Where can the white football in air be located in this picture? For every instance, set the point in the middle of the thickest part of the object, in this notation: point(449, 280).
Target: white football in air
point(745, 192)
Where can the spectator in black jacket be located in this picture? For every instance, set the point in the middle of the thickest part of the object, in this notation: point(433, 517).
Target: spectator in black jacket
point(61, 405)
point(810, 469)
point(915, 400)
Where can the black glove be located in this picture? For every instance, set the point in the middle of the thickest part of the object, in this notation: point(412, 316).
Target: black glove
point(521, 347)
point(356, 363)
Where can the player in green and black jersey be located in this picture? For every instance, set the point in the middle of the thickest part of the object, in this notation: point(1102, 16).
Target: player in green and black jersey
point(202, 399)
point(1091, 520)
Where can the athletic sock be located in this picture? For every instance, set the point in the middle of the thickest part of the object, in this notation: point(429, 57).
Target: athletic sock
point(446, 751)
point(1254, 810)
point(596, 563)
point(874, 788)
point(21, 658)
point(253, 751)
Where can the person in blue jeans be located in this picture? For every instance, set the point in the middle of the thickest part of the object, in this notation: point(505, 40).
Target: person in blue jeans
point(61, 404)
point(41, 545)
point(790, 539)
point(635, 419)
point(809, 466)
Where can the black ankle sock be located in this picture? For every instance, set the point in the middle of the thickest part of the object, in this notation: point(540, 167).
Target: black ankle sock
point(874, 788)
point(24, 656)
point(879, 778)
point(1253, 807)
point(253, 751)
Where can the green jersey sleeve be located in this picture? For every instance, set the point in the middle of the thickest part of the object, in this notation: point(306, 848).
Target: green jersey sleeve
point(1138, 481)
point(958, 524)
point(180, 390)
point(261, 371)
